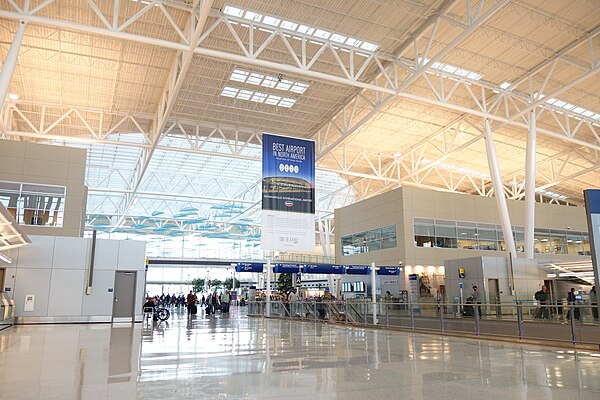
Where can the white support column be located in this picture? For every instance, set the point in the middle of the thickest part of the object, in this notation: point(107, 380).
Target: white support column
point(374, 292)
point(10, 62)
point(530, 172)
point(268, 287)
point(490, 147)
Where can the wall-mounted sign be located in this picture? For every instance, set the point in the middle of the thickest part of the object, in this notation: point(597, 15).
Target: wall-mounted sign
point(249, 267)
point(358, 269)
point(461, 273)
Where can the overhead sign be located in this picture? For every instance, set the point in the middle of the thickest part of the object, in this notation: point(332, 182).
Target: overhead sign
point(389, 271)
point(288, 194)
point(323, 269)
point(461, 273)
point(249, 267)
point(358, 269)
point(286, 268)
point(298, 279)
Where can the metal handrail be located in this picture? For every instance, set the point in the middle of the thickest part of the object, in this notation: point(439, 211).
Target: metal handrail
point(517, 320)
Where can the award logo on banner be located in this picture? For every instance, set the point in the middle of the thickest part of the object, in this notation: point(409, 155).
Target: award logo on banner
point(288, 194)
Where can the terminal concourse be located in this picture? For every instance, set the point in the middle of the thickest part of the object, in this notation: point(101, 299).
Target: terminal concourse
point(299, 199)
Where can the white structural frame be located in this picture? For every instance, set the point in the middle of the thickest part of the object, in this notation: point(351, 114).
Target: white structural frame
point(395, 76)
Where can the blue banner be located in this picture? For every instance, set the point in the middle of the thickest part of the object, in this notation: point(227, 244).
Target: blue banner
point(358, 269)
point(323, 269)
point(286, 268)
point(288, 181)
point(249, 267)
point(388, 271)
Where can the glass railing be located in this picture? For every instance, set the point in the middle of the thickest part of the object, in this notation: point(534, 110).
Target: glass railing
point(553, 322)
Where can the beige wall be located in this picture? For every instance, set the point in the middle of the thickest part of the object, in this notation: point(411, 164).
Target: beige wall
point(402, 205)
point(52, 165)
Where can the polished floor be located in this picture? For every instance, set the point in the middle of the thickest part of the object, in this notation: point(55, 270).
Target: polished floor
point(235, 357)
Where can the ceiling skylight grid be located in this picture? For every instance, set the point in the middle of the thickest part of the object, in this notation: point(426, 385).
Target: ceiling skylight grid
point(269, 81)
point(257, 97)
point(297, 30)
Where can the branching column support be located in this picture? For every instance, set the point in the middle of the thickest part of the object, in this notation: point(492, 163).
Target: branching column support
point(10, 62)
point(490, 147)
point(530, 172)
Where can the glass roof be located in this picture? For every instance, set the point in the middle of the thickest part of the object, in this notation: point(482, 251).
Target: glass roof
point(185, 193)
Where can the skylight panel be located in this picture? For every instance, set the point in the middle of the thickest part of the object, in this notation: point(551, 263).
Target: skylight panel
point(236, 12)
point(451, 69)
point(258, 97)
point(573, 108)
point(270, 81)
point(239, 75)
point(252, 16)
point(272, 99)
point(300, 29)
point(299, 87)
point(505, 85)
point(285, 84)
point(289, 25)
point(322, 34)
point(305, 29)
point(286, 102)
point(271, 20)
point(338, 38)
point(229, 92)
point(255, 79)
point(245, 94)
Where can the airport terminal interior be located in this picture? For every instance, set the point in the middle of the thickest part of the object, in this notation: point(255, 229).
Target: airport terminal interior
point(303, 199)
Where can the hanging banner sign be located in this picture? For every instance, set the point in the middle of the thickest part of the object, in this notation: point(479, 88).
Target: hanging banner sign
point(388, 271)
point(358, 269)
point(286, 268)
point(298, 279)
point(249, 267)
point(288, 194)
point(323, 269)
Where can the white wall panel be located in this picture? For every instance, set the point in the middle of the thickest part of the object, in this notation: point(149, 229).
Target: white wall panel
point(71, 253)
point(132, 255)
point(36, 282)
point(38, 254)
point(67, 288)
point(107, 254)
point(100, 302)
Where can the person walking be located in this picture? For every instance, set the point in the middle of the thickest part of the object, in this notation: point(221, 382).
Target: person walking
point(191, 302)
point(225, 299)
point(542, 297)
point(293, 300)
point(572, 302)
point(476, 295)
point(594, 302)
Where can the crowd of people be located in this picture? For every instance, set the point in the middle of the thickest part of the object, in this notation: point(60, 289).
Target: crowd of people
point(211, 301)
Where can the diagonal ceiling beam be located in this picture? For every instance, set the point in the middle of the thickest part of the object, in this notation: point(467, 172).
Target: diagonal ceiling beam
point(179, 71)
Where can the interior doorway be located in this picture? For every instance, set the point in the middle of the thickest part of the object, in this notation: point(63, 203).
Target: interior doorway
point(124, 296)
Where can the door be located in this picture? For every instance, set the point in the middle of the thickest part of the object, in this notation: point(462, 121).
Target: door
point(494, 296)
point(124, 296)
point(2, 279)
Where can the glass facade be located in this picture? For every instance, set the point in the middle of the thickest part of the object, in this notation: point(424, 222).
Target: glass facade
point(33, 203)
point(483, 236)
point(371, 240)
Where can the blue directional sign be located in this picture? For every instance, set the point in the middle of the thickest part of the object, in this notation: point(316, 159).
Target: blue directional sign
point(323, 269)
point(358, 269)
point(249, 267)
point(388, 271)
point(286, 268)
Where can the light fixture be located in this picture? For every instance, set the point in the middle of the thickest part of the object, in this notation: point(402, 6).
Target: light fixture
point(505, 85)
point(5, 258)
point(13, 96)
